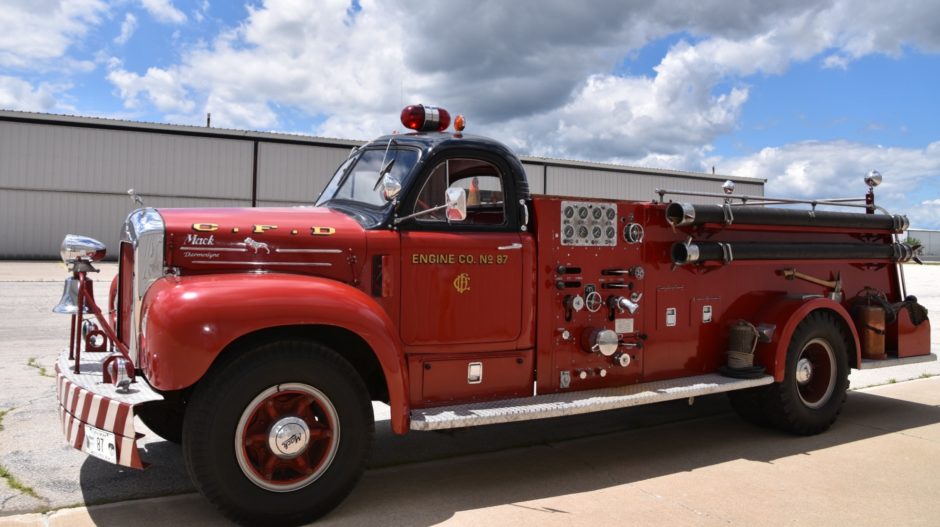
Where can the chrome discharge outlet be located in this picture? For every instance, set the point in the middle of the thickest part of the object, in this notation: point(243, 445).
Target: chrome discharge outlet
point(622, 359)
point(603, 341)
point(622, 303)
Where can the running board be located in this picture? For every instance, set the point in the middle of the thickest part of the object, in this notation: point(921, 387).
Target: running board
point(870, 364)
point(573, 403)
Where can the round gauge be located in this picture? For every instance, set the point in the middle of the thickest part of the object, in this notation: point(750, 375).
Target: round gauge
point(611, 214)
point(633, 233)
point(582, 212)
point(596, 232)
point(569, 212)
point(593, 301)
point(598, 213)
point(611, 232)
point(582, 232)
point(569, 231)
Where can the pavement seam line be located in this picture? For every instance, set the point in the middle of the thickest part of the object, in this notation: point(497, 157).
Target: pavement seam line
point(8, 476)
point(42, 369)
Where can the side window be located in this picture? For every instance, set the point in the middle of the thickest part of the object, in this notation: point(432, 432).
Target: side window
point(480, 180)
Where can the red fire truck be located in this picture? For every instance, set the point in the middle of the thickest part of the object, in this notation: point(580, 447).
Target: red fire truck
point(427, 277)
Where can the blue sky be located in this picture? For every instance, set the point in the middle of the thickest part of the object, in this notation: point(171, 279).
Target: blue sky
point(809, 95)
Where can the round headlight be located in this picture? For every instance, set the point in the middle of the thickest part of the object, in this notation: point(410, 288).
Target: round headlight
point(75, 248)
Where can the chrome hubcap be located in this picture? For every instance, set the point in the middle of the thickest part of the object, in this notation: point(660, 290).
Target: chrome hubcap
point(816, 373)
point(288, 437)
point(804, 371)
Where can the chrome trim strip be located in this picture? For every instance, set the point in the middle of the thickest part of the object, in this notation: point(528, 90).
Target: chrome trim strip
point(315, 251)
point(214, 249)
point(297, 264)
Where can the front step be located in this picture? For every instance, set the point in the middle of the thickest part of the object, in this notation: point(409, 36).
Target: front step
point(573, 403)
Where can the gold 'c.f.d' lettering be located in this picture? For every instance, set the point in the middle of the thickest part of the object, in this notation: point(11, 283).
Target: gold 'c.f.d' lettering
point(205, 227)
point(322, 231)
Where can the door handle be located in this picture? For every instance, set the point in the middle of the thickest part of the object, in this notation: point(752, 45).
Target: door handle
point(510, 247)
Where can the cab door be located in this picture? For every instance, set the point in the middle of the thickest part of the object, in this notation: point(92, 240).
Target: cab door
point(462, 281)
point(462, 289)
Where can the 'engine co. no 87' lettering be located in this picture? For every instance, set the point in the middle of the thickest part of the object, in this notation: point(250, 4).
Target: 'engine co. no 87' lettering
point(450, 259)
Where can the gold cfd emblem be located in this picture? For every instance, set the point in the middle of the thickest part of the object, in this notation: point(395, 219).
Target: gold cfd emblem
point(462, 283)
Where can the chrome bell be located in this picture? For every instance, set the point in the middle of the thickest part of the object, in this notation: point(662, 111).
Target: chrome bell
point(68, 304)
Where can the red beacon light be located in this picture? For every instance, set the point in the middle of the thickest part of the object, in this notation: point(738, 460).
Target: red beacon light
point(425, 118)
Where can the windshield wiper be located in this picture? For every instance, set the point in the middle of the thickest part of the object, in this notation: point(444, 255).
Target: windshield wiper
point(386, 167)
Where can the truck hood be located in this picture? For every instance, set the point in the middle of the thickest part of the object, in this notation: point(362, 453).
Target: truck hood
point(306, 240)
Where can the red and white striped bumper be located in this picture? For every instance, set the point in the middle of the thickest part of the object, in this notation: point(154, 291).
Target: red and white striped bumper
point(86, 401)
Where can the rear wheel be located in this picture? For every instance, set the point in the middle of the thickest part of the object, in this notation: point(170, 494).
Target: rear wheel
point(816, 378)
point(280, 434)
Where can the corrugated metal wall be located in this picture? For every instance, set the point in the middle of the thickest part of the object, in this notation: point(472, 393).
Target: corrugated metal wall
point(295, 174)
point(930, 241)
point(71, 175)
point(597, 183)
point(56, 180)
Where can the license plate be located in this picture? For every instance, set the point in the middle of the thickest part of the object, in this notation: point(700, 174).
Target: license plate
point(100, 444)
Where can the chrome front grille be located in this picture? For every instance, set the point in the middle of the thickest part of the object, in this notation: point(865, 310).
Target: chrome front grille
point(143, 233)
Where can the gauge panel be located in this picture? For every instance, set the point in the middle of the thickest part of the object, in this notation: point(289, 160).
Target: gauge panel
point(588, 224)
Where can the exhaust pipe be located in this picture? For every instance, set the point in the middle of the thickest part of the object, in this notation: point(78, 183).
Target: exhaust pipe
point(685, 214)
point(688, 253)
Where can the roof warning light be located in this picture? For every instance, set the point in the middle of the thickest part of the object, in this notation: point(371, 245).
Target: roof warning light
point(425, 118)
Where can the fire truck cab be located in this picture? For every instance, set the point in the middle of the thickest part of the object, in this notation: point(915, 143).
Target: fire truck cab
point(428, 277)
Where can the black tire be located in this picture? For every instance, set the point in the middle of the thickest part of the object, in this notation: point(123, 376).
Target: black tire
point(164, 418)
point(816, 378)
point(278, 382)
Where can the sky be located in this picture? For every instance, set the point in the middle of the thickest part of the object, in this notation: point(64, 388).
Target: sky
point(809, 95)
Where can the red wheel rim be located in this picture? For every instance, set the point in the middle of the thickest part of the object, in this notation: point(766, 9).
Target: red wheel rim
point(287, 437)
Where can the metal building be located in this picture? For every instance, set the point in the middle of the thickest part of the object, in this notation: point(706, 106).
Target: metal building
point(930, 242)
point(63, 174)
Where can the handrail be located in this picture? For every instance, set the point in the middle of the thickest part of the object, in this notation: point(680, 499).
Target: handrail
point(836, 202)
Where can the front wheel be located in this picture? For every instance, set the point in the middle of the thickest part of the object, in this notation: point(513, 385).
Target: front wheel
point(280, 434)
point(816, 378)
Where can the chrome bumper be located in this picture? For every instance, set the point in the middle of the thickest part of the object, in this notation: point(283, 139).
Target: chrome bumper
point(84, 400)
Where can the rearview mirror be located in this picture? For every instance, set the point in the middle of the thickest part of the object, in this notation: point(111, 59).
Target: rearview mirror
point(456, 204)
point(391, 187)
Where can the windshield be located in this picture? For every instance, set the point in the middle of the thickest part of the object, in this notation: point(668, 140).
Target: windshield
point(356, 179)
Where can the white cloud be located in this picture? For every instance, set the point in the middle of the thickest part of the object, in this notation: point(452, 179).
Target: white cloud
point(17, 94)
point(161, 87)
point(127, 29)
point(837, 168)
point(536, 76)
point(36, 33)
point(164, 11)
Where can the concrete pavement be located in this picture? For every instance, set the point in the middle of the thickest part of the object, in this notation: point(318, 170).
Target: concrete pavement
point(876, 467)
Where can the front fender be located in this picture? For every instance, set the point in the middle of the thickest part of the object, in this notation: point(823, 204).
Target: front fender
point(187, 322)
point(786, 314)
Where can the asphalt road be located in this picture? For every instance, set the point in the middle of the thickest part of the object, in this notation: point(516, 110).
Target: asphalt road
point(594, 464)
